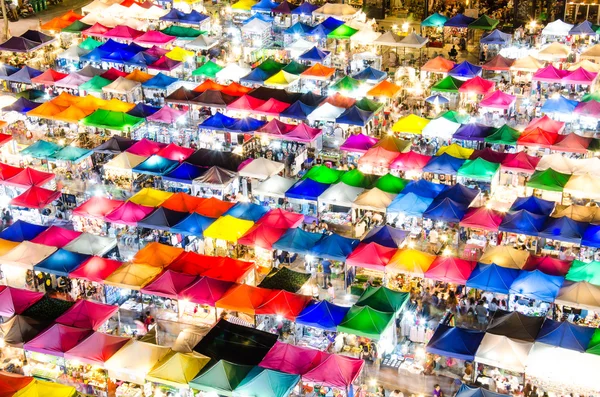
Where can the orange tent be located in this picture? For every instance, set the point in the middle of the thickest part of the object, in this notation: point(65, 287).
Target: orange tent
point(235, 89)
point(71, 16)
point(139, 76)
point(72, 114)
point(157, 255)
point(340, 101)
point(438, 65)
point(385, 88)
point(213, 207)
point(56, 24)
point(318, 72)
point(46, 110)
point(90, 102)
point(182, 202)
point(208, 84)
point(65, 100)
point(244, 298)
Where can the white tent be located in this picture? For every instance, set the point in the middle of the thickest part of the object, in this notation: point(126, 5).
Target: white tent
point(557, 162)
point(134, 23)
point(26, 255)
point(582, 295)
point(94, 6)
point(121, 86)
point(73, 53)
point(124, 161)
point(256, 26)
point(389, 39)
point(526, 64)
point(413, 40)
point(201, 42)
point(553, 52)
point(275, 186)
point(116, 10)
point(583, 186)
point(90, 244)
point(73, 80)
point(440, 127)
point(557, 28)
point(299, 47)
point(340, 194)
point(374, 199)
point(109, 21)
point(89, 71)
point(261, 168)
point(365, 36)
point(326, 112)
point(587, 65)
point(590, 165)
point(233, 72)
point(343, 11)
point(503, 352)
point(134, 360)
point(91, 19)
point(591, 53)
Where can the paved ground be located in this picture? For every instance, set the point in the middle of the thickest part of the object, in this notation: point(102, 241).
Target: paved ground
point(33, 22)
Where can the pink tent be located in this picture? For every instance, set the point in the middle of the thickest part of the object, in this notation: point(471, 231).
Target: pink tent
point(520, 162)
point(477, 85)
point(371, 256)
point(261, 235)
point(281, 219)
point(96, 29)
point(128, 214)
point(95, 269)
point(57, 339)
point(16, 301)
point(377, 157)
point(245, 103)
point(335, 371)
point(154, 37)
point(97, 349)
point(303, 133)
point(164, 63)
point(146, 147)
point(450, 269)
point(97, 207)
point(56, 236)
point(35, 197)
point(276, 128)
point(580, 76)
point(482, 218)
point(166, 115)
point(123, 32)
point(358, 143)
point(169, 284)
point(588, 109)
point(550, 74)
point(206, 291)
point(546, 123)
point(175, 152)
point(410, 161)
point(498, 100)
point(272, 107)
point(86, 314)
point(292, 359)
point(156, 52)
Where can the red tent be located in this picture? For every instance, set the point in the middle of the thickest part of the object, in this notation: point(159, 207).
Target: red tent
point(56, 340)
point(206, 291)
point(245, 103)
point(546, 123)
point(49, 77)
point(488, 155)
point(97, 349)
point(547, 265)
point(8, 171)
point(95, 269)
point(588, 109)
point(377, 157)
point(498, 100)
point(482, 218)
point(303, 133)
point(537, 137)
point(30, 177)
point(261, 235)
point(276, 127)
point(285, 304)
point(272, 107)
point(498, 63)
point(5, 138)
point(56, 236)
point(229, 269)
point(340, 101)
point(128, 214)
point(129, 3)
point(96, 29)
point(213, 207)
point(244, 298)
point(169, 284)
point(550, 74)
point(86, 314)
point(335, 371)
point(520, 162)
point(410, 161)
point(35, 197)
point(438, 65)
point(208, 84)
point(477, 85)
point(578, 76)
point(11, 384)
point(182, 202)
point(292, 359)
point(235, 89)
point(16, 301)
point(450, 269)
point(218, 267)
point(123, 32)
point(97, 207)
point(175, 152)
point(112, 74)
point(371, 256)
point(281, 219)
point(572, 143)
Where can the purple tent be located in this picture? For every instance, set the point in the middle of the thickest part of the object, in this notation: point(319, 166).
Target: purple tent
point(20, 44)
point(358, 143)
point(473, 132)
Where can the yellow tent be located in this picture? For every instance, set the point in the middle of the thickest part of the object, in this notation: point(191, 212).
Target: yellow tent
point(281, 79)
point(579, 213)
point(72, 114)
point(179, 54)
point(150, 197)
point(410, 261)
point(132, 276)
point(177, 369)
point(117, 105)
point(455, 150)
point(243, 5)
point(411, 124)
point(90, 102)
point(139, 76)
point(125, 161)
point(134, 360)
point(42, 388)
point(505, 256)
point(157, 255)
point(228, 228)
point(7, 245)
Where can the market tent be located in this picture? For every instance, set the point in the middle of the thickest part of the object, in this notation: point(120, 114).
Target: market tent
point(469, 391)
point(409, 204)
point(389, 39)
point(20, 330)
point(213, 207)
point(114, 145)
point(56, 340)
point(14, 301)
point(410, 261)
point(323, 174)
point(450, 269)
point(459, 21)
point(91, 244)
point(27, 177)
point(334, 247)
point(498, 100)
point(496, 37)
point(156, 165)
point(365, 321)
point(557, 28)
point(35, 197)
point(492, 278)
point(371, 256)
point(314, 55)
point(132, 276)
point(411, 124)
point(356, 178)
point(112, 120)
point(383, 299)
point(580, 213)
point(134, 361)
point(580, 76)
point(306, 189)
point(283, 303)
point(582, 295)
point(61, 262)
point(323, 314)
point(390, 184)
point(444, 164)
point(455, 342)
point(22, 231)
point(267, 382)
point(559, 105)
point(554, 52)
point(549, 74)
point(526, 64)
point(534, 205)
point(150, 197)
point(222, 378)
point(572, 143)
point(515, 325)
point(162, 219)
point(298, 241)
point(478, 169)
point(503, 352)
point(537, 285)
point(293, 359)
point(157, 255)
point(21, 105)
point(374, 199)
point(384, 89)
point(95, 269)
point(281, 219)
point(435, 20)
point(425, 188)
point(457, 151)
point(86, 314)
point(261, 169)
point(548, 180)
point(438, 65)
point(523, 222)
point(410, 161)
point(482, 218)
point(466, 70)
point(584, 271)
point(128, 214)
point(228, 228)
point(177, 369)
point(35, 387)
point(386, 236)
point(247, 211)
point(563, 229)
point(96, 349)
point(588, 109)
point(565, 335)
point(206, 291)
point(182, 202)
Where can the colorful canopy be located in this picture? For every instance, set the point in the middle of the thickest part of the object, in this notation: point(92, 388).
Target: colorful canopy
point(455, 342)
point(57, 340)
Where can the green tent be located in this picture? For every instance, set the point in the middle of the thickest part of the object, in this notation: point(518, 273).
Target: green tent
point(549, 179)
point(454, 116)
point(182, 32)
point(591, 96)
point(271, 66)
point(71, 153)
point(368, 105)
point(346, 84)
point(41, 149)
point(209, 70)
point(478, 169)
point(594, 346)
point(383, 299)
point(504, 135)
point(342, 32)
point(447, 84)
point(222, 378)
point(436, 20)
point(95, 84)
point(365, 321)
point(594, 145)
point(76, 27)
point(356, 178)
point(582, 271)
point(484, 23)
point(323, 174)
point(262, 382)
point(112, 120)
point(89, 44)
point(391, 184)
point(295, 68)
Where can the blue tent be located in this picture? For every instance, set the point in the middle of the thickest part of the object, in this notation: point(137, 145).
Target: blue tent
point(492, 278)
point(264, 5)
point(246, 124)
point(7, 70)
point(174, 15)
point(142, 110)
point(247, 211)
point(162, 219)
point(257, 75)
point(354, 116)
point(334, 247)
point(584, 28)
point(559, 105)
point(445, 210)
point(306, 189)
point(331, 24)
point(160, 82)
point(134, 48)
point(473, 132)
point(319, 31)
point(194, 18)
point(591, 236)
point(298, 28)
point(218, 121)
point(444, 164)
point(305, 8)
point(156, 165)
point(96, 55)
point(459, 21)
point(437, 99)
point(409, 204)
point(314, 55)
point(61, 262)
point(262, 17)
point(297, 241)
point(522, 222)
point(22, 231)
point(496, 37)
point(118, 56)
point(564, 229)
point(566, 335)
point(298, 111)
point(459, 193)
point(533, 205)
point(386, 235)
point(465, 69)
point(185, 173)
point(21, 105)
point(468, 391)
point(194, 225)
point(141, 59)
point(455, 342)
point(537, 285)
point(23, 75)
point(370, 74)
point(322, 314)
point(112, 46)
point(424, 188)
